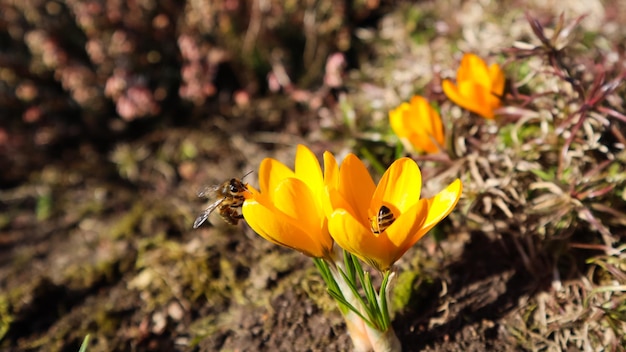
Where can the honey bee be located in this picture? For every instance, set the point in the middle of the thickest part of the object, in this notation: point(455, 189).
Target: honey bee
point(230, 197)
point(383, 220)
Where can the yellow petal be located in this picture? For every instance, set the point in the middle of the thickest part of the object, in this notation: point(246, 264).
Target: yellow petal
point(277, 228)
point(308, 169)
point(331, 171)
point(442, 204)
point(351, 235)
point(252, 192)
point(406, 230)
point(424, 126)
point(452, 92)
point(437, 131)
point(356, 186)
point(399, 187)
point(478, 88)
point(474, 69)
point(271, 172)
point(497, 80)
point(422, 142)
point(417, 117)
point(339, 202)
point(422, 111)
point(476, 99)
point(331, 180)
point(295, 199)
point(397, 118)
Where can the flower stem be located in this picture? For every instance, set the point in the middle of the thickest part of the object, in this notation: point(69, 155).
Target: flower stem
point(367, 318)
point(383, 341)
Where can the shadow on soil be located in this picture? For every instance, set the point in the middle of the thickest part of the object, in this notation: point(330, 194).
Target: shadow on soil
point(485, 284)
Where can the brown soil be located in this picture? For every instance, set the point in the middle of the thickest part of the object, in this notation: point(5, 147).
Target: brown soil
point(121, 262)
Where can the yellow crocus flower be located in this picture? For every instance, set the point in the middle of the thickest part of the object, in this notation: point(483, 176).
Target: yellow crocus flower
point(357, 204)
point(478, 88)
point(418, 125)
point(290, 208)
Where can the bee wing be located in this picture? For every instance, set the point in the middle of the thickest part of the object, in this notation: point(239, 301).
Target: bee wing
point(205, 214)
point(208, 191)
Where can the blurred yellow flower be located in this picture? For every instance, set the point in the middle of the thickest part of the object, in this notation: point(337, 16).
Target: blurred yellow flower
point(477, 88)
point(360, 222)
point(418, 125)
point(290, 208)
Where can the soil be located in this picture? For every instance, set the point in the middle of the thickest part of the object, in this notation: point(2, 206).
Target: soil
point(120, 261)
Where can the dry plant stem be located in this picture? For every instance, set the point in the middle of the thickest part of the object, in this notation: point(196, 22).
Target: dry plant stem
point(365, 338)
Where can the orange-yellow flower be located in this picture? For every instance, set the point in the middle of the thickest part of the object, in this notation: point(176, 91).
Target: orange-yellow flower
point(357, 202)
point(477, 88)
point(290, 208)
point(418, 125)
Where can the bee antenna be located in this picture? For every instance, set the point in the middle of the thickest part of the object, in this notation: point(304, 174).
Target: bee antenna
point(247, 173)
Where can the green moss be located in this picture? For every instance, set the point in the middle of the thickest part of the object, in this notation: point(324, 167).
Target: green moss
point(6, 317)
point(188, 150)
point(44, 206)
point(5, 220)
point(403, 290)
point(126, 227)
point(106, 322)
point(316, 290)
point(202, 328)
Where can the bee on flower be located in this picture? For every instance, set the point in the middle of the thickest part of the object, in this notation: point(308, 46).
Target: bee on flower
point(309, 209)
point(394, 203)
point(290, 207)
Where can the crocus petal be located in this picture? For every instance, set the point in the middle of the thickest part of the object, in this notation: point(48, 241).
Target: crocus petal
point(397, 119)
point(252, 193)
point(295, 199)
point(351, 235)
point(308, 169)
point(474, 69)
point(432, 122)
point(339, 202)
point(331, 171)
point(425, 122)
point(271, 172)
point(291, 207)
point(331, 181)
point(497, 80)
point(475, 98)
point(478, 88)
point(442, 204)
point(418, 125)
point(452, 92)
point(356, 185)
point(406, 230)
point(350, 223)
point(278, 228)
point(400, 186)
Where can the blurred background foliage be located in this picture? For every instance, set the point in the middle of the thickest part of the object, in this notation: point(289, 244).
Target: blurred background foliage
point(104, 70)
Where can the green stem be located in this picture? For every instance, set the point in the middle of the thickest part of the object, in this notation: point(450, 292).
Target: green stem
point(367, 318)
